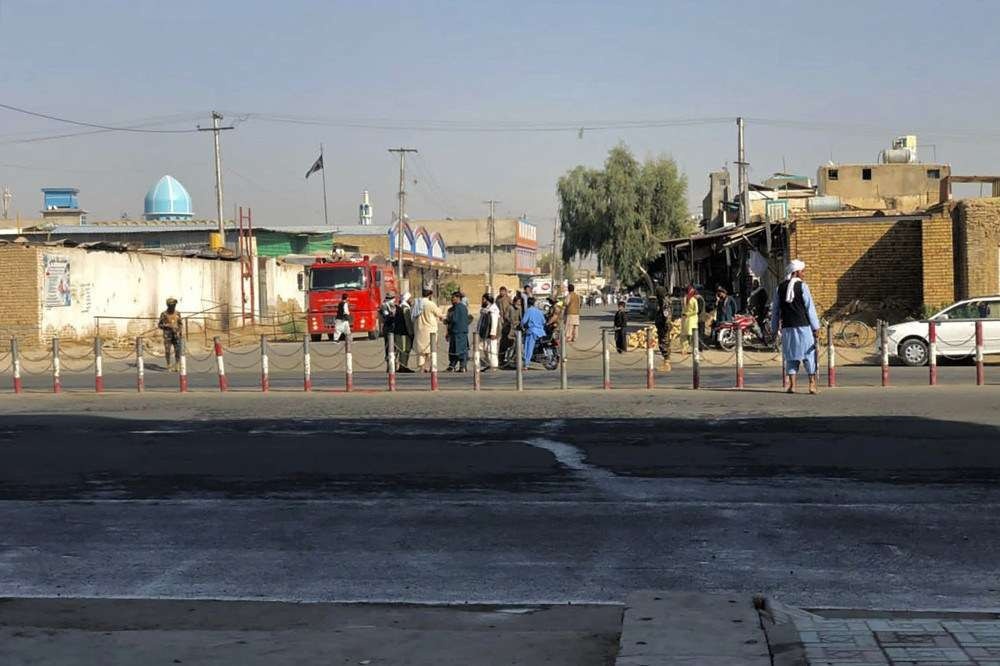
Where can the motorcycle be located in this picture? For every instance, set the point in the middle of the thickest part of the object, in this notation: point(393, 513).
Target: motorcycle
point(546, 354)
point(745, 325)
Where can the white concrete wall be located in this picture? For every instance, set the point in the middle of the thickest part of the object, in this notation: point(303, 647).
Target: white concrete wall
point(136, 285)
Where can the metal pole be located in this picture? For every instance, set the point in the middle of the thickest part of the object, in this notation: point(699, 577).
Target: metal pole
point(519, 360)
point(265, 366)
point(476, 363)
point(742, 174)
point(491, 234)
point(326, 217)
point(216, 119)
point(606, 359)
point(307, 383)
point(884, 343)
point(739, 357)
point(434, 361)
point(140, 367)
point(980, 370)
point(56, 367)
point(391, 359)
point(402, 212)
point(98, 366)
point(563, 352)
point(348, 364)
point(182, 364)
point(932, 373)
point(696, 360)
point(650, 359)
point(15, 366)
point(831, 358)
point(220, 365)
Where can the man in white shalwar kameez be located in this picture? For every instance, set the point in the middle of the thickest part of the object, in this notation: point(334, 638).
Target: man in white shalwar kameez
point(793, 313)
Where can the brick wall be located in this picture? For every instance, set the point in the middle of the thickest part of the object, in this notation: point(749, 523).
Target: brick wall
point(938, 264)
point(977, 247)
point(20, 294)
point(867, 260)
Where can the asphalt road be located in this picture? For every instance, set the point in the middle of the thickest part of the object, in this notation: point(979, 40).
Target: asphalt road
point(870, 510)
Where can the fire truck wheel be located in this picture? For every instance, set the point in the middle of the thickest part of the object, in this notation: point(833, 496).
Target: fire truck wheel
point(372, 335)
point(316, 337)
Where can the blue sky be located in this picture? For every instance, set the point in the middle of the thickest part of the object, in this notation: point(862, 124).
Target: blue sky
point(877, 68)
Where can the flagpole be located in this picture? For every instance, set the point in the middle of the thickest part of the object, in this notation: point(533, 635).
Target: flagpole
point(326, 219)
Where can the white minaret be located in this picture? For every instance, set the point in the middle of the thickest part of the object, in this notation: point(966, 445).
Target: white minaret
point(365, 210)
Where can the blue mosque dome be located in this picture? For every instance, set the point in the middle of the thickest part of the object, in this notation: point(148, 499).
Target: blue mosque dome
point(167, 200)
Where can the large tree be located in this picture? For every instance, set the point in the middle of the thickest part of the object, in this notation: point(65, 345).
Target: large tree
point(621, 212)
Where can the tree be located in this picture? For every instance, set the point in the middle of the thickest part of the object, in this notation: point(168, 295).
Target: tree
point(621, 213)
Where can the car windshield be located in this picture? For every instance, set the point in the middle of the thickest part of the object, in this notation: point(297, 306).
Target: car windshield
point(337, 278)
point(974, 310)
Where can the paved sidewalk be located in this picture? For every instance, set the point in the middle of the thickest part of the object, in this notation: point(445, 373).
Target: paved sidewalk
point(867, 638)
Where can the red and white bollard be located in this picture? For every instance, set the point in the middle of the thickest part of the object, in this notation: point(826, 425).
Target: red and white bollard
point(140, 367)
point(650, 359)
point(932, 373)
point(220, 365)
point(739, 358)
point(831, 359)
point(15, 366)
point(348, 364)
point(390, 360)
point(56, 367)
point(696, 360)
point(307, 382)
point(434, 362)
point(265, 366)
point(606, 359)
point(477, 377)
point(884, 344)
point(980, 370)
point(182, 365)
point(98, 366)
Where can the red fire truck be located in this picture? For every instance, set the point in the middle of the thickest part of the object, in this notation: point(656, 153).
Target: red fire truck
point(366, 282)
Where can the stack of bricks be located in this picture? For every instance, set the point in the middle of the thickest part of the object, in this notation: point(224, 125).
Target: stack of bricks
point(20, 294)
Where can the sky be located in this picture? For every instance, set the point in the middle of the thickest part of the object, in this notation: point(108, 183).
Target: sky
point(361, 77)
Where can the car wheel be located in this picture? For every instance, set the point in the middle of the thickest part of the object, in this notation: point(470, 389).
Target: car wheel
point(914, 352)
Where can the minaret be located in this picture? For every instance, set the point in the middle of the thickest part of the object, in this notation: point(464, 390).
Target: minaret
point(365, 210)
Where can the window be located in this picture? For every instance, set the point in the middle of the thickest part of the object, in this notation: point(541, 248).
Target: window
point(833, 174)
point(934, 174)
point(866, 174)
point(337, 278)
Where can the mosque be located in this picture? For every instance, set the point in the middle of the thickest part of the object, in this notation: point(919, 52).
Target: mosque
point(167, 200)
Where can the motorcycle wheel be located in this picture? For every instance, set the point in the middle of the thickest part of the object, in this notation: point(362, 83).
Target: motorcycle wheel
point(551, 361)
point(726, 339)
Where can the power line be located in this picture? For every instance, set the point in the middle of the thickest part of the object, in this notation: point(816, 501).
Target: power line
point(106, 128)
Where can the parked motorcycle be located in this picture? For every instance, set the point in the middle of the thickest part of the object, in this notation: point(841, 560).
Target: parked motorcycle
point(754, 334)
point(546, 354)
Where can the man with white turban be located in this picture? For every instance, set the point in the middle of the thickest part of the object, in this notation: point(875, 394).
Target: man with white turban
point(794, 314)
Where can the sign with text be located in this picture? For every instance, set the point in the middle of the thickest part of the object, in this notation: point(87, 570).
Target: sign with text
point(57, 291)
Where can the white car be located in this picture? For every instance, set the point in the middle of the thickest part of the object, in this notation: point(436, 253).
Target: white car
point(635, 305)
point(956, 332)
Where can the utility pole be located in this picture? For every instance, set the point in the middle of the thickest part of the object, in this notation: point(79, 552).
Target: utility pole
point(7, 196)
point(326, 218)
point(556, 258)
point(492, 233)
point(402, 213)
point(744, 185)
point(215, 129)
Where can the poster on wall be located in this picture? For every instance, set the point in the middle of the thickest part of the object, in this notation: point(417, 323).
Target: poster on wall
point(57, 294)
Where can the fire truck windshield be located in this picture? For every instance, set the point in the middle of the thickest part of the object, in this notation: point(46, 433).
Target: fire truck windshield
point(337, 278)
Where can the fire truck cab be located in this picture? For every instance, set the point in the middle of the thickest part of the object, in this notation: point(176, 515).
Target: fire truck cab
point(366, 282)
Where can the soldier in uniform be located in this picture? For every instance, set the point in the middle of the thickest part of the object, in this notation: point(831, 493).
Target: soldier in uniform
point(171, 324)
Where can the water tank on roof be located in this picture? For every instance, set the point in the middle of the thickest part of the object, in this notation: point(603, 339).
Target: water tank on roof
point(167, 200)
point(823, 204)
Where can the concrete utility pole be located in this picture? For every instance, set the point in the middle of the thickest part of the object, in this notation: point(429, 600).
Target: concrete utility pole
point(492, 233)
point(215, 129)
point(742, 175)
point(403, 286)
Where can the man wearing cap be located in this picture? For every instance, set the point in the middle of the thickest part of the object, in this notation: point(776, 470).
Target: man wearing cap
point(171, 324)
point(794, 315)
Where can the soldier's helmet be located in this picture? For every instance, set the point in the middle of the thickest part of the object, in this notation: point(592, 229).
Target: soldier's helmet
point(171, 301)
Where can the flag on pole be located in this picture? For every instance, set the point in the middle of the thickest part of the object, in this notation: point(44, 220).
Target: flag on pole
point(317, 165)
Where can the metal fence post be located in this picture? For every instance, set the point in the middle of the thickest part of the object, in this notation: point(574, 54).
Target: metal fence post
point(434, 361)
point(98, 366)
point(932, 372)
point(605, 360)
point(519, 360)
point(182, 364)
point(348, 364)
point(831, 358)
point(307, 383)
point(56, 367)
point(884, 343)
point(563, 353)
point(265, 366)
point(739, 357)
point(220, 364)
point(980, 370)
point(140, 367)
point(476, 363)
point(650, 358)
point(390, 360)
point(696, 360)
point(15, 365)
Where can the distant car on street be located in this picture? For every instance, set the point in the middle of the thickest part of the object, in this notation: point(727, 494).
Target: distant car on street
point(635, 305)
point(956, 332)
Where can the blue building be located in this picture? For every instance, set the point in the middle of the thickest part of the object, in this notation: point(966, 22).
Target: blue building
point(60, 205)
point(167, 200)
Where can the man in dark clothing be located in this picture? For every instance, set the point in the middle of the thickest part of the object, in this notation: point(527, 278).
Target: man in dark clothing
point(342, 326)
point(387, 313)
point(663, 326)
point(458, 334)
point(172, 325)
point(621, 321)
point(725, 306)
point(403, 330)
